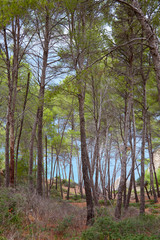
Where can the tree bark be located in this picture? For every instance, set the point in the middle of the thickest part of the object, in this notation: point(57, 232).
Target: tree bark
point(46, 167)
point(7, 153)
point(151, 156)
point(70, 164)
point(124, 157)
point(142, 195)
point(41, 103)
point(151, 168)
point(21, 125)
point(133, 155)
point(31, 150)
point(85, 161)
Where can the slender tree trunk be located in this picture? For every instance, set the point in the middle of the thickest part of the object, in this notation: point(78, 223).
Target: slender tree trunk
point(79, 167)
point(15, 69)
point(151, 157)
point(135, 190)
point(142, 195)
point(41, 105)
point(109, 180)
point(21, 124)
point(7, 146)
point(51, 172)
point(133, 154)
point(31, 148)
point(97, 168)
point(46, 168)
point(85, 161)
point(7, 153)
point(151, 169)
point(60, 182)
point(114, 174)
point(70, 164)
point(122, 184)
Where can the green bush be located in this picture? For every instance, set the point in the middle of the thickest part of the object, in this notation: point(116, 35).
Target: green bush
point(75, 197)
point(55, 193)
point(3, 238)
point(72, 183)
point(64, 181)
point(130, 229)
point(101, 202)
point(11, 205)
point(64, 224)
point(135, 204)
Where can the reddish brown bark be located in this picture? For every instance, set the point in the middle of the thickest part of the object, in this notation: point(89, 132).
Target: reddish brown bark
point(41, 104)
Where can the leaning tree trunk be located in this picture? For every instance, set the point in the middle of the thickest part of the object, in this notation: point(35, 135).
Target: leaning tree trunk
point(85, 161)
point(151, 156)
point(151, 37)
point(151, 168)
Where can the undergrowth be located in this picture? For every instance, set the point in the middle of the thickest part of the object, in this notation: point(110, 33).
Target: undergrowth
point(26, 215)
point(138, 228)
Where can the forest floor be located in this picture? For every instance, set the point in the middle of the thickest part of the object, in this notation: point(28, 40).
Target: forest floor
point(26, 216)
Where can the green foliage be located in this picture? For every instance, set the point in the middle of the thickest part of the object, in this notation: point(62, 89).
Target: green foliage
point(11, 205)
point(64, 224)
point(108, 202)
point(72, 183)
point(10, 9)
point(2, 157)
point(101, 202)
point(75, 197)
point(55, 193)
point(147, 177)
point(130, 229)
point(135, 204)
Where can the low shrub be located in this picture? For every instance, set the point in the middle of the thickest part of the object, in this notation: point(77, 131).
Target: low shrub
point(11, 205)
point(135, 204)
point(101, 202)
point(55, 193)
point(107, 202)
point(64, 224)
point(72, 183)
point(141, 228)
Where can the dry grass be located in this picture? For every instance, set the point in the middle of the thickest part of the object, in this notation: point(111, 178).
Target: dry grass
point(43, 218)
